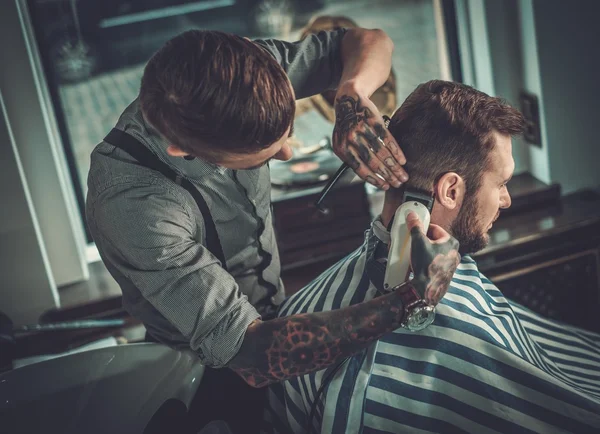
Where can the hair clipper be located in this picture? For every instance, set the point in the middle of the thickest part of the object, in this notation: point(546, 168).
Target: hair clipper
point(398, 263)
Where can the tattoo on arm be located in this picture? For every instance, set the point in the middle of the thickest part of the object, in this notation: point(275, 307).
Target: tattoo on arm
point(283, 348)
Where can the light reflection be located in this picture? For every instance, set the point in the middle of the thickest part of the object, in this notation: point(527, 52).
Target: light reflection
point(501, 236)
point(546, 223)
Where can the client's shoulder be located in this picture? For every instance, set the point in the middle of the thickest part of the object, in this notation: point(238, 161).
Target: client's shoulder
point(468, 271)
point(470, 286)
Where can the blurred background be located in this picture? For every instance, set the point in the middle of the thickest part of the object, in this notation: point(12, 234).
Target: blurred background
point(69, 68)
point(94, 52)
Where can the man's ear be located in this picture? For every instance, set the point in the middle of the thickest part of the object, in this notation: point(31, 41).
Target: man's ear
point(450, 190)
point(174, 151)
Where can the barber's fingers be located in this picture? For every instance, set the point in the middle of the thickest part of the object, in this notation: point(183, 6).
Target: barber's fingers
point(414, 224)
point(363, 170)
point(367, 154)
point(382, 160)
point(382, 143)
point(435, 234)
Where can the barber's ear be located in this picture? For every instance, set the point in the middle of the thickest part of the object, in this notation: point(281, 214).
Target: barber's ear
point(450, 190)
point(174, 151)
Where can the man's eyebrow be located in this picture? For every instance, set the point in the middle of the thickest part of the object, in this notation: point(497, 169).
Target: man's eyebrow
point(506, 181)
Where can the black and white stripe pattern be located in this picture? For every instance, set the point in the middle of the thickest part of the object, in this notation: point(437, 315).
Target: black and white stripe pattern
point(486, 365)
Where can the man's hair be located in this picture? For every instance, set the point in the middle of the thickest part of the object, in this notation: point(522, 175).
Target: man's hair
point(447, 127)
point(210, 92)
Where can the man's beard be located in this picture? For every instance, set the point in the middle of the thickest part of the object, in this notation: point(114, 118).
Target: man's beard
point(467, 229)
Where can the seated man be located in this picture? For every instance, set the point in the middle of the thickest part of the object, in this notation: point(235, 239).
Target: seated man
point(485, 364)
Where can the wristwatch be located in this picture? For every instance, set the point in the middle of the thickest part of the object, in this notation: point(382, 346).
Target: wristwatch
point(418, 315)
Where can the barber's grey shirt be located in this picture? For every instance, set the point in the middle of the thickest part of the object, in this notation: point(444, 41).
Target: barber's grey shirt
point(151, 234)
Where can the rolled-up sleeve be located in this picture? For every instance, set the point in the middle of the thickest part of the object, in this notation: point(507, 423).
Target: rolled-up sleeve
point(313, 64)
point(150, 236)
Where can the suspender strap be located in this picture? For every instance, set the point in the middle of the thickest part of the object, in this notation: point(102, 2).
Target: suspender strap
point(147, 158)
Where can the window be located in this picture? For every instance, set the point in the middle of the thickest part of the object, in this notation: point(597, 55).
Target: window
point(94, 52)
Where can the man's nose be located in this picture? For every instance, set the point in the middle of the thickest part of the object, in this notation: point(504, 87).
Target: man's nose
point(505, 200)
point(284, 154)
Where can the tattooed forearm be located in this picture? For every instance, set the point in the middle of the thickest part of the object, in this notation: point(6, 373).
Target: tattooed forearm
point(288, 347)
point(283, 348)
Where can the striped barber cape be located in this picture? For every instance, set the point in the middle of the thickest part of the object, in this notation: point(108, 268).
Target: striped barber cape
point(486, 365)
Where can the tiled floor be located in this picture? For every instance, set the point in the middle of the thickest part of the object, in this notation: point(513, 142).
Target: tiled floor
point(92, 107)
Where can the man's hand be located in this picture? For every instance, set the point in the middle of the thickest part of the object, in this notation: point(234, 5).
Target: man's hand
point(434, 258)
point(361, 140)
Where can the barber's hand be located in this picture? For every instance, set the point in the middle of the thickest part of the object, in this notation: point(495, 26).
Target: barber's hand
point(361, 140)
point(434, 258)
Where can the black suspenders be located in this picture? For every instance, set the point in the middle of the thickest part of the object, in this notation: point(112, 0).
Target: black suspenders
point(144, 156)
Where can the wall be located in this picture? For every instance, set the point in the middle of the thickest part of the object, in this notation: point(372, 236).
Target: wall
point(27, 287)
point(539, 165)
point(507, 67)
point(549, 48)
point(490, 51)
point(35, 132)
point(568, 39)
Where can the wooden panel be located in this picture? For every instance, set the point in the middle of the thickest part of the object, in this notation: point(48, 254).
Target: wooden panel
point(306, 235)
point(323, 234)
point(315, 254)
point(565, 289)
point(301, 212)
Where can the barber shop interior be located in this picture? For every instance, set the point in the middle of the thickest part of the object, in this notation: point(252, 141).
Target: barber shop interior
point(299, 216)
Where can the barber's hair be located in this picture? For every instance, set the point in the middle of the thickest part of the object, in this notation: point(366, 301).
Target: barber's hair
point(448, 127)
point(210, 93)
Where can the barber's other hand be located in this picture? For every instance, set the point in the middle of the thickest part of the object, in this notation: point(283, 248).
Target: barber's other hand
point(361, 140)
point(434, 258)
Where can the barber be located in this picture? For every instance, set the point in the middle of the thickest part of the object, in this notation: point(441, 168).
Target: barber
point(179, 203)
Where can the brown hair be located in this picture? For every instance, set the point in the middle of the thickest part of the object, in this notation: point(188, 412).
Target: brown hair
point(210, 92)
point(447, 127)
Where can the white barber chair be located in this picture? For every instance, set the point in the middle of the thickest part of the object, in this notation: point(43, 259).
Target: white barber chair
point(134, 388)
